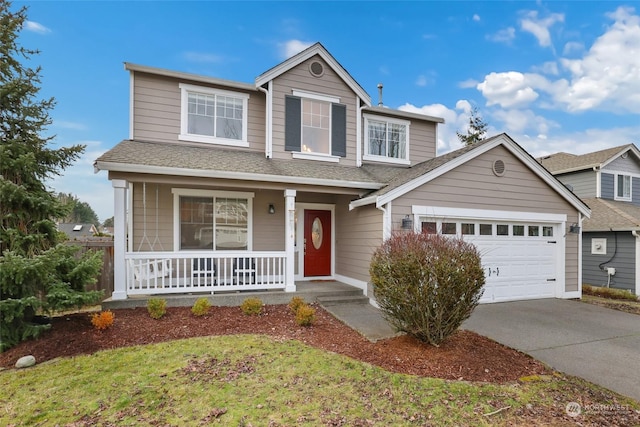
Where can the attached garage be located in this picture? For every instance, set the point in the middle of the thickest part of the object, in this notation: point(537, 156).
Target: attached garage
point(520, 251)
point(496, 195)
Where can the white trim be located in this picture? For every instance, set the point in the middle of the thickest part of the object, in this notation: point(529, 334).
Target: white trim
point(316, 96)
point(387, 223)
point(580, 255)
point(204, 173)
point(269, 101)
point(130, 216)
point(300, 208)
point(315, 156)
point(119, 239)
point(598, 183)
point(615, 187)
point(571, 294)
point(131, 105)
point(386, 159)
point(358, 133)
point(290, 235)
point(213, 194)
point(184, 135)
point(486, 214)
point(637, 278)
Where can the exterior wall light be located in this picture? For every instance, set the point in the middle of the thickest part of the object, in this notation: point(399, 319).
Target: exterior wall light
point(272, 209)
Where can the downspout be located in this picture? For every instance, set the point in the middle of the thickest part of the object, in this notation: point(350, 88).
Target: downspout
point(635, 234)
point(596, 169)
point(268, 141)
point(386, 220)
point(359, 133)
point(131, 94)
point(579, 256)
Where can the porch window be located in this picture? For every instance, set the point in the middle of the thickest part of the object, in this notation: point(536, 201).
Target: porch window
point(215, 116)
point(386, 140)
point(213, 220)
point(623, 187)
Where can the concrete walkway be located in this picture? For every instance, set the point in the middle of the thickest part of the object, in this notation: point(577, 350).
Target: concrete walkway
point(595, 343)
point(361, 316)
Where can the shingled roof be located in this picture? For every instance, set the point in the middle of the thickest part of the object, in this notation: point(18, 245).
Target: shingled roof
point(565, 162)
point(211, 161)
point(610, 215)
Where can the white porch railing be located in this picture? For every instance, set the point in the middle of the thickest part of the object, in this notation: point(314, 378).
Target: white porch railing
point(180, 272)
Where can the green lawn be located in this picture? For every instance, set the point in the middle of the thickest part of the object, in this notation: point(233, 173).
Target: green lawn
point(256, 380)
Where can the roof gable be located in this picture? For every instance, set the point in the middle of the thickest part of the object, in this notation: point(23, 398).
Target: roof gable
point(560, 163)
point(316, 49)
point(427, 171)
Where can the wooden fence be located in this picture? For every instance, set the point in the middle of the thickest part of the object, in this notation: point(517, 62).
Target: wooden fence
point(105, 279)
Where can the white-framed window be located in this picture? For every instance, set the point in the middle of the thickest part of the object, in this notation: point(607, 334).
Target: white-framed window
point(386, 139)
point(316, 126)
point(212, 220)
point(622, 187)
point(213, 115)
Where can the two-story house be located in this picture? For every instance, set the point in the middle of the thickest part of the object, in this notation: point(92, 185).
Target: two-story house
point(230, 186)
point(609, 183)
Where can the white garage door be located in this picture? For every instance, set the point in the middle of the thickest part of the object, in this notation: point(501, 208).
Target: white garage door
point(519, 258)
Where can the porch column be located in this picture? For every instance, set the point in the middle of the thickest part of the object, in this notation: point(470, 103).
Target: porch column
point(119, 239)
point(289, 246)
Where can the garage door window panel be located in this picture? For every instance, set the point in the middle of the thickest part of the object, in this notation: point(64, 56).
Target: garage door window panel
point(518, 230)
point(502, 230)
point(429, 227)
point(449, 228)
point(468, 229)
point(547, 231)
point(486, 229)
point(534, 230)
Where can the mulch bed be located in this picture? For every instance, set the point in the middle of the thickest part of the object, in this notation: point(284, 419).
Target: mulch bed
point(464, 356)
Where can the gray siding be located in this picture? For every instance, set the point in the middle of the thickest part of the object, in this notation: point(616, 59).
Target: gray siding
point(156, 110)
point(635, 191)
point(163, 217)
point(329, 84)
point(629, 165)
point(620, 255)
point(583, 183)
point(606, 186)
point(358, 233)
point(473, 185)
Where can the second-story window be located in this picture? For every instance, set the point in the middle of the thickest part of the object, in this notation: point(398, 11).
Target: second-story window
point(386, 140)
point(215, 116)
point(316, 125)
point(623, 187)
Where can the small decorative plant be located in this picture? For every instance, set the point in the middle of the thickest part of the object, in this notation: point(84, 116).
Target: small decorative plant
point(295, 303)
point(102, 320)
point(252, 306)
point(305, 315)
point(157, 307)
point(200, 307)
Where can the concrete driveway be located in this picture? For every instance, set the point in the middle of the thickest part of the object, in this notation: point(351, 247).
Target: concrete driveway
point(595, 343)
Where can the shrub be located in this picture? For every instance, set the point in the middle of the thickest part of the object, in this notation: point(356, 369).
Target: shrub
point(295, 303)
point(612, 293)
point(102, 320)
point(305, 315)
point(427, 284)
point(157, 307)
point(252, 306)
point(200, 307)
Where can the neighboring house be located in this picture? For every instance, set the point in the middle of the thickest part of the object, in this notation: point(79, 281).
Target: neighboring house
point(228, 186)
point(78, 231)
point(608, 181)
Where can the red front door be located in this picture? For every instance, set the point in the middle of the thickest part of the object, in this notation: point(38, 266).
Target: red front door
point(317, 243)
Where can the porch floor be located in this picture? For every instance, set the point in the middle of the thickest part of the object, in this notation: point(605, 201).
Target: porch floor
point(310, 291)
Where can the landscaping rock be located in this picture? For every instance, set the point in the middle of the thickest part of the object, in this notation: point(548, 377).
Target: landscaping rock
point(25, 362)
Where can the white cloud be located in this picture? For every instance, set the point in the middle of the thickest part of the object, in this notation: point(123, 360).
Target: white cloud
point(523, 122)
point(421, 81)
point(573, 47)
point(503, 36)
point(63, 124)
point(540, 27)
point(509, 90)
point(476, 17)
point(466, 84)
point(202, 57)
point(292, 47)
point(36, 27)
point(549, 67)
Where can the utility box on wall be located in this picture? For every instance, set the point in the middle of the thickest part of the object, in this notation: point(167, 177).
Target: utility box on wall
point(599, 246)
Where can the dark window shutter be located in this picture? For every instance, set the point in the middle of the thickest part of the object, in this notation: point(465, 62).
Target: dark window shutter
point(339, 130)
point(293, 123)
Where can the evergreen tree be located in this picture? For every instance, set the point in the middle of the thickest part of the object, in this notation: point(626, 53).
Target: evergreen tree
point(79, 212)
point(108, 222)
point(36, 271)
point(476, 131)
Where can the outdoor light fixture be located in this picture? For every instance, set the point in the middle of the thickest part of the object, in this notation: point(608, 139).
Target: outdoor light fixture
point(272, 208)
point(574, 228)
point(407, 223)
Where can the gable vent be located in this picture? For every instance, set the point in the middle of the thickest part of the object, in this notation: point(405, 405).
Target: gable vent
point(316, 69)
point(499, 167)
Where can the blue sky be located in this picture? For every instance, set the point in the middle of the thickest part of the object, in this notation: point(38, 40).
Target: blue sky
point(556, 76)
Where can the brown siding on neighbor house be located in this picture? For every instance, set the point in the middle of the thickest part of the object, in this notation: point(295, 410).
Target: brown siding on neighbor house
point(329, 84)
point(358, 233)
point(156, 115)
point(473, 185)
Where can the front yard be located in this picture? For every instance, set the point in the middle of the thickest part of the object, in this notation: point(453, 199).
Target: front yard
point(286, 375)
